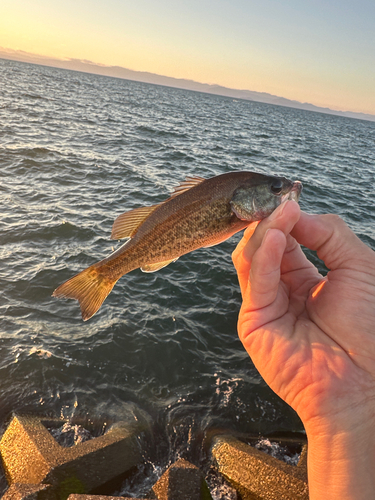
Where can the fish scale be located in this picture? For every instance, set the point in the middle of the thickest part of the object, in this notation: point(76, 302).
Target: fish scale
point(200, 213)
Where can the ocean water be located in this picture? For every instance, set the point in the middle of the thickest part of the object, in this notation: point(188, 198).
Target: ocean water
point(77, 150)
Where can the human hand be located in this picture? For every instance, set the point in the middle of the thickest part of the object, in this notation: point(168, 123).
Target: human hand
point(312, 338)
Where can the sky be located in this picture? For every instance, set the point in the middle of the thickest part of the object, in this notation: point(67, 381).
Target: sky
point(316, 51)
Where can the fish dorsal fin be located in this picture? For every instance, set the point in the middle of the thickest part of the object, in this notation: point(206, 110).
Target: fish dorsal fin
point(126, 225)
point(187, 184)
point(151, 268)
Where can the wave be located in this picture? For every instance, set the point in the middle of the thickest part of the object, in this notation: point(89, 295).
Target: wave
point(77, 151)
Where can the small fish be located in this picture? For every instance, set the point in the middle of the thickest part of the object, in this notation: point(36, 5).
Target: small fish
point(199, 213)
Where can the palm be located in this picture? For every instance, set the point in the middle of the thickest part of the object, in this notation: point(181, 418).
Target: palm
point(303, 338)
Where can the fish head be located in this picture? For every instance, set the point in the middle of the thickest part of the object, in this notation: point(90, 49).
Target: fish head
point(253, 201)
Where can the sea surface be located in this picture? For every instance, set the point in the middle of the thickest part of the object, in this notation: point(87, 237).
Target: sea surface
point(77, 150)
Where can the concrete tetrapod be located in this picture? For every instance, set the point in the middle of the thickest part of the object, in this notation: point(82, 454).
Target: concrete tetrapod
point(31, 456)
point(181, 481)
point(257, 475)
point(29, 492)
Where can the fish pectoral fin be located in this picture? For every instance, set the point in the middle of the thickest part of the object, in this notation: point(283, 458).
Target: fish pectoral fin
point(151, 268)
point(127, 224)
point(187, 184)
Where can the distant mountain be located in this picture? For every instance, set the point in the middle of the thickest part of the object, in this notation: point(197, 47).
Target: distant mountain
point(142, 76)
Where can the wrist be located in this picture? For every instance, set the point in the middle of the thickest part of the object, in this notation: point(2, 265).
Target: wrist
point(341, 458)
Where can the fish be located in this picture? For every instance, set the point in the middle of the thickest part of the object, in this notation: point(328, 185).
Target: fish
point(199, 213)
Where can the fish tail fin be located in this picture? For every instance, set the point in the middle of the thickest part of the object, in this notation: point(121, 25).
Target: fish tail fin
point(90, 287)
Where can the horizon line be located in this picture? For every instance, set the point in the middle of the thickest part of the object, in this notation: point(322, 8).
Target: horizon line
point(87, 66)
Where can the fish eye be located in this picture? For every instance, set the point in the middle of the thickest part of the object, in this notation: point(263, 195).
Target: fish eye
point(277, 186)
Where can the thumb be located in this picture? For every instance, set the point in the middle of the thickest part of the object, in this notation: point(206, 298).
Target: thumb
point(265, 270)
point(262, 302)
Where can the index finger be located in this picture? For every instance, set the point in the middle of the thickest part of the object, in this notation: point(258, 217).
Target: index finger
point(335, 243)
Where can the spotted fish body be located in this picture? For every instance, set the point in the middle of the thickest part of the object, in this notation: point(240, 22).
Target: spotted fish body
point(200, 213)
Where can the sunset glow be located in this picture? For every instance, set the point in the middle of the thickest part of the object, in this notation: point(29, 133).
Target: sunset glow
point(322, 52)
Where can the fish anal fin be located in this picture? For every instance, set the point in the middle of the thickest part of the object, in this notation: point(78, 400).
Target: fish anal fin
point(151, 268)
point(187, 184)
point(126, 225)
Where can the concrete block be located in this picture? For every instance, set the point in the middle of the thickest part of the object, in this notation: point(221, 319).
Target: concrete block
point(256, 475)
point(29, 492)
point(182, 481)
point(32, 456)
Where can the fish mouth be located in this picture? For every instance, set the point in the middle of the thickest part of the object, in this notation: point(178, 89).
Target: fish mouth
point(295, 192)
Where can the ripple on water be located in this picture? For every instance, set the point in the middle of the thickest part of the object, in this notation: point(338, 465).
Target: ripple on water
point(78, 150)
